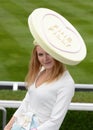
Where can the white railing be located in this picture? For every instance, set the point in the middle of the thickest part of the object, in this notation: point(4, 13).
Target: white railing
point(21, 85)
point(12, 85)
point(73, 106)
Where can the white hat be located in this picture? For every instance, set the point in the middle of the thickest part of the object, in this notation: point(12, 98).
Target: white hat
point(57, 36)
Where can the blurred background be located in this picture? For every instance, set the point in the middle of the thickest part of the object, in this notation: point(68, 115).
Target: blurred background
point(16, 40)
point(16, 47)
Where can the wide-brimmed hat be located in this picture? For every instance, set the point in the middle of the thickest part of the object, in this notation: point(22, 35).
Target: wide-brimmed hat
point(57, 36)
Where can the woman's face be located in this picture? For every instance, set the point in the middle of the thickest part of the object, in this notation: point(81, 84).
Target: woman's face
point(44, 58)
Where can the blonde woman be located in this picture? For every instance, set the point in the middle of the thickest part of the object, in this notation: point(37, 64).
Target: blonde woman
point(50, 91)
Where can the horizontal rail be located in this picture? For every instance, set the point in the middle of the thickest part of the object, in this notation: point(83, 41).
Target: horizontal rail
point(73, 106)
point(81, 106)
point(12, 85)
point(10, 103)
point(21, 85)
point(87, 87)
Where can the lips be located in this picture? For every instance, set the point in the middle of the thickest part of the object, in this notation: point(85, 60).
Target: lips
point(47, 63)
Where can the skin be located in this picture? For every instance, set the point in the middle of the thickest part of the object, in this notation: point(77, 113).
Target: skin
point(47, 62)
point(45, 59)
point(10, 123)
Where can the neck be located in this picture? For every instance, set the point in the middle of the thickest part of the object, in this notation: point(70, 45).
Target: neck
point(48, 71)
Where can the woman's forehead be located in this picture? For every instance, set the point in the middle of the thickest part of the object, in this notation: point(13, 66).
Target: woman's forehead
point(38, 48)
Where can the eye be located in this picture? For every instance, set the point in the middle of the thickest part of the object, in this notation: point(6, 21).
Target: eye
point(40, 54)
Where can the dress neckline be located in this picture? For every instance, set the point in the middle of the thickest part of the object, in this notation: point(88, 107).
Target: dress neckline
point(37, 79)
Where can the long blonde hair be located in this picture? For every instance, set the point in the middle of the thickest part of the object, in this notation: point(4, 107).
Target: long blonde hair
point(35, 66)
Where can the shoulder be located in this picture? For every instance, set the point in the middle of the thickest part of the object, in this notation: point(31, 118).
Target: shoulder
point(66, 83)
point(66, 78)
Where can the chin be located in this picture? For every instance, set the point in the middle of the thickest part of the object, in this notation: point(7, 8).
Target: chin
point(48, 67)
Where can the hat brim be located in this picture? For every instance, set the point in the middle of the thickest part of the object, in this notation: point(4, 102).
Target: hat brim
point(57, 36)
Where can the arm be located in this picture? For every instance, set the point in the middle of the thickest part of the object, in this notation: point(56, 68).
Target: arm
point(23, 106)
point(21, 109)
point(59, 111)
point(10, 123)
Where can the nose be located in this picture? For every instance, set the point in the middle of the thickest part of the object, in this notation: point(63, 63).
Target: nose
point(46, 57)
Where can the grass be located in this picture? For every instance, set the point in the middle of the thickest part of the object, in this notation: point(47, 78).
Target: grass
point(74, 120)
point(78, 120)
point(16, 48)
point(12, 95)
point(15, 37)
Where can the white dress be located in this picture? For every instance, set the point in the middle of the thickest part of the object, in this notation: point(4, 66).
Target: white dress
point(49, 102)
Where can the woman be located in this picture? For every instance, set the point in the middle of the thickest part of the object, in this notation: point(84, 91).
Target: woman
point(50, 90)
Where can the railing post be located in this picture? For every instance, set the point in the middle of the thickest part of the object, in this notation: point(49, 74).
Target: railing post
point(3, 117)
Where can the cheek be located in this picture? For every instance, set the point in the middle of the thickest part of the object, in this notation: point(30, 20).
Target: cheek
point(40, 59)
point(53, 62)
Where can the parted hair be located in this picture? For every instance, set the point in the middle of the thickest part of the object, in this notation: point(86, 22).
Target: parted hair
point(35, 67)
